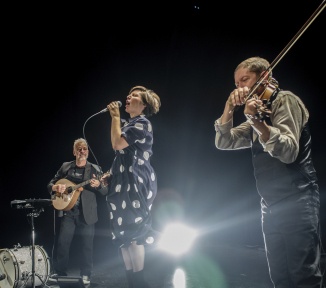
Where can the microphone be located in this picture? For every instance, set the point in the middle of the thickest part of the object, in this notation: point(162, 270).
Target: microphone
point(106, 109)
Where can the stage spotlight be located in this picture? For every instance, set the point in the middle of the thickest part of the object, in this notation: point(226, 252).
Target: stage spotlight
point(177, 239)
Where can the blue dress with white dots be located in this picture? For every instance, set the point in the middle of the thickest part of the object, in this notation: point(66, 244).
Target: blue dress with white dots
point(133, 185)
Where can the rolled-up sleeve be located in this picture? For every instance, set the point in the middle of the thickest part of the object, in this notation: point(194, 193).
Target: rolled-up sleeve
point(229, 138)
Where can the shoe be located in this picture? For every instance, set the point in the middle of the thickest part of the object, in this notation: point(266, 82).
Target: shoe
point(86, 280)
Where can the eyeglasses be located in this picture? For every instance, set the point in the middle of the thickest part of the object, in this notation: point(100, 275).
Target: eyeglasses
point(82, 148)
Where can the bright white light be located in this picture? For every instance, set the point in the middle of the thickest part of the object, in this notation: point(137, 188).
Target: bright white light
point(179, 279)
point(177, 239)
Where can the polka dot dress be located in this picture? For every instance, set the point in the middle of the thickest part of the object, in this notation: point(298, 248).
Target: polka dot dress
point(133, 185)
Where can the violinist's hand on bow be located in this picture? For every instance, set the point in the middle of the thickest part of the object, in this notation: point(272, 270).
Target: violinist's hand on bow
point(238, 96)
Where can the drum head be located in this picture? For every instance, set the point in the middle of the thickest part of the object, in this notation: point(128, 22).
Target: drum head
point(16, 264)
point(8, 268)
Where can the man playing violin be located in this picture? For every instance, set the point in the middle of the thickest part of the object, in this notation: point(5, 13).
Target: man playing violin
point(277, 132)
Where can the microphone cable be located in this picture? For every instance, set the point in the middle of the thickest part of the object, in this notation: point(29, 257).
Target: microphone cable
point(89, 147)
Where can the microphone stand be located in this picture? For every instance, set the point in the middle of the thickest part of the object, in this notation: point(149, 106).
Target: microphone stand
point(34, 206)
point(34, 213)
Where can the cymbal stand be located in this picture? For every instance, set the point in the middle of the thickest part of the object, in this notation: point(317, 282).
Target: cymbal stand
point(35, 213)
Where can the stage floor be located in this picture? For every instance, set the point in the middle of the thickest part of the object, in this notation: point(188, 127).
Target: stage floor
point(208, 266)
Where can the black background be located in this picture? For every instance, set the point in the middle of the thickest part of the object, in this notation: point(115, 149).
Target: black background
point(64, 63)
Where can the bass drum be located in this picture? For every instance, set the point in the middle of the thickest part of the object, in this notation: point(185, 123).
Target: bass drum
point(16, 264)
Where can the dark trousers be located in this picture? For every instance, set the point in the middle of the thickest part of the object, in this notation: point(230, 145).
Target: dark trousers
point(292, 241)
point(74, 225)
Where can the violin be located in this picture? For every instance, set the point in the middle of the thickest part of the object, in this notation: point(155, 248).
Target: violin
point(264, 90)
point(269, 88)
